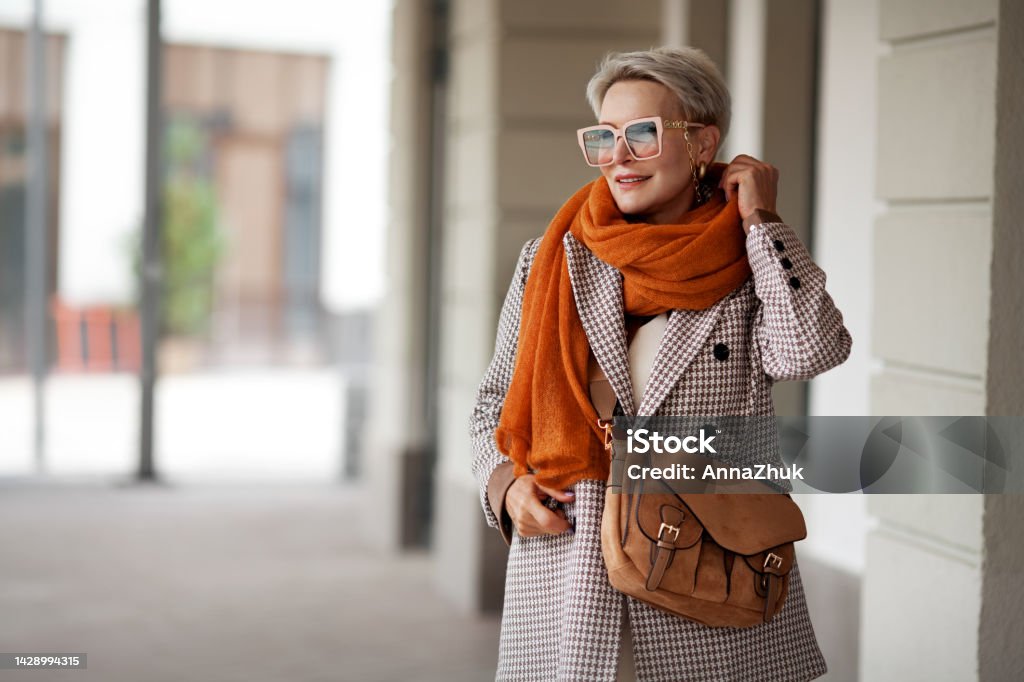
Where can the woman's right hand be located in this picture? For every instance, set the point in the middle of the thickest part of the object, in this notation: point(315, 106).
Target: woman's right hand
point(524, 503)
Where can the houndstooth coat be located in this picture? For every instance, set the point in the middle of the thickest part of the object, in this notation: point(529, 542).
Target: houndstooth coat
point(562, 620)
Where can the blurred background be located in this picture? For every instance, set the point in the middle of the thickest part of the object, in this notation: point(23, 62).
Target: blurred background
point(251, 261)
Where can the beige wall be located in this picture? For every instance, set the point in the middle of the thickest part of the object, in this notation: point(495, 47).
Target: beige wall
point(933, 283)
point(933, 242)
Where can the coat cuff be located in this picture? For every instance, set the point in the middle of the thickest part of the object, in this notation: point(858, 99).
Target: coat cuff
point(498, 484)
point(760, 216)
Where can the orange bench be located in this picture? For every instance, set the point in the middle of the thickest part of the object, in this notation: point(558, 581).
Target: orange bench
point(96, 338)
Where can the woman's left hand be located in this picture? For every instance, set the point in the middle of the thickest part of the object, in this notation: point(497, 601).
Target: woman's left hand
point(755, 183)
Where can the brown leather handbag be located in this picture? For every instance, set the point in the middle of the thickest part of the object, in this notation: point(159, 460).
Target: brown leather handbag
point(718, 559)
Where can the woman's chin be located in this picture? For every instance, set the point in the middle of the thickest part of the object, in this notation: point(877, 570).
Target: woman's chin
point(630, 205)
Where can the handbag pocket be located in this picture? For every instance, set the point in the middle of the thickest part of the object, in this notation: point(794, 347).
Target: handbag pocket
point(743, 590)
point(712, 581)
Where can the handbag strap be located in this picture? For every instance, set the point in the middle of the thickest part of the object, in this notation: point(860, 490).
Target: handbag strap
point(602, 395)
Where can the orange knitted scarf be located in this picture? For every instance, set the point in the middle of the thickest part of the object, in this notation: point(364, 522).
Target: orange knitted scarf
point(548, 425)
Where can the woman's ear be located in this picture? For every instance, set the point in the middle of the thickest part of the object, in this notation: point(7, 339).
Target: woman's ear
point(709, 139)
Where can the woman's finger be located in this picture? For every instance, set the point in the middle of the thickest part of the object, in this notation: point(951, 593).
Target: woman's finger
point(731, 179)
point(734, 171)
point(560, 495)
point(530, 506)
point(543, 521)
point(549, 521)
point(746, 159)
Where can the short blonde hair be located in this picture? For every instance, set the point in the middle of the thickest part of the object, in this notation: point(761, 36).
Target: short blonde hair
point(687, 71)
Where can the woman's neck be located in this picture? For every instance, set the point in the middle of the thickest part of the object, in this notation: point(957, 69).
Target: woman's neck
point(669, 215)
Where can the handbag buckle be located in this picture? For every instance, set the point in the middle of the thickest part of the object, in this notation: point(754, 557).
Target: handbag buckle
point(774, 559)
point(672, 529)
point(607, 425)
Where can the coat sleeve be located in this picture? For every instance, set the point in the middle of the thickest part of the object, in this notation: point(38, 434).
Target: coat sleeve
point(798, 330)
point(493, 470)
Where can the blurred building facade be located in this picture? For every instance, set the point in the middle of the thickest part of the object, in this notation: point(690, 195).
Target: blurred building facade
point(268, 277)
point(13, 181)
point(259, 120)
point(883, 117)
point(257, 92)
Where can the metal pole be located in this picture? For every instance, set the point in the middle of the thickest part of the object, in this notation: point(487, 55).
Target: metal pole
point(151, 271)
point(435, 229)
point(36, 228)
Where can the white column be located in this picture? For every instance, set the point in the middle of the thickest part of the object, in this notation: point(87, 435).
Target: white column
point(930, 326)
point(746, 78)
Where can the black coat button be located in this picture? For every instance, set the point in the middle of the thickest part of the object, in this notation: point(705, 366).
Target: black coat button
point(794, 282)
point(786, 263)
point(779, 246)
point(721, 351)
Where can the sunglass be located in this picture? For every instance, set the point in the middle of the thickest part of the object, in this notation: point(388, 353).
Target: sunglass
point(642, 136)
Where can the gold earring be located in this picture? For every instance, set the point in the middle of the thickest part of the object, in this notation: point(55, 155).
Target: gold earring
point(693, 164)
point(703, 169)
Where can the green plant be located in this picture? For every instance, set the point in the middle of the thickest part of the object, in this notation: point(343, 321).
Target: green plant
point(191, 242)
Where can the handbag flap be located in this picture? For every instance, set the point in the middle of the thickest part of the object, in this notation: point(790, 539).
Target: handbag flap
point(682, 525)
point(748, 523)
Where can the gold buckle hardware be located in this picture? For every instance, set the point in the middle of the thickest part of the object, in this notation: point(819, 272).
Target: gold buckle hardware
point(672, 529)
point(606, 424)
point(774, 559)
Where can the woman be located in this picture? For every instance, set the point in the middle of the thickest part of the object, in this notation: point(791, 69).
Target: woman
point(663, 234)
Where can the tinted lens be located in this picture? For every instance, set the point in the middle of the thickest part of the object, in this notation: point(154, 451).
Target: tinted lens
point(599, 146)
point(642, 139)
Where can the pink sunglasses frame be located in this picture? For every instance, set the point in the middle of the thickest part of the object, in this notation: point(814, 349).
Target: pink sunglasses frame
point(659, 125)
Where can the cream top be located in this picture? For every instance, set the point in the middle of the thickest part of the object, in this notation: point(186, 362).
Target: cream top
point(642, 351)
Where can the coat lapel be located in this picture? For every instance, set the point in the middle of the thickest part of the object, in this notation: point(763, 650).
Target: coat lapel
point(597, 288)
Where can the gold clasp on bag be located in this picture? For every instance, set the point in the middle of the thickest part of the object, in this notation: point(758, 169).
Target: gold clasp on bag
point(774, 559)
point(670, 528)
point(607, 425)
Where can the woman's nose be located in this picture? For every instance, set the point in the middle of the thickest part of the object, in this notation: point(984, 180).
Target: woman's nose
point(621, 151)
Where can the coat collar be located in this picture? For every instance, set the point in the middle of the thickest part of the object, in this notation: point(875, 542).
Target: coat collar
point(597, 288)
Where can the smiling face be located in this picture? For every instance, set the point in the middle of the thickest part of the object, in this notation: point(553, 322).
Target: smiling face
point(659, 190)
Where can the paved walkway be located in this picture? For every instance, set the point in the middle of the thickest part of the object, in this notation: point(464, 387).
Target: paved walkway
point(221, 584)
